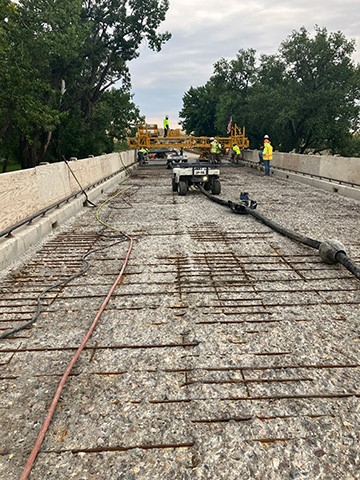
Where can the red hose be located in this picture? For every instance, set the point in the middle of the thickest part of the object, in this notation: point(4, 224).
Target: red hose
point(45, 426)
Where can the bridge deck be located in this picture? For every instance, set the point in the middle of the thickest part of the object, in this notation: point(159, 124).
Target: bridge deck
point(227, 351)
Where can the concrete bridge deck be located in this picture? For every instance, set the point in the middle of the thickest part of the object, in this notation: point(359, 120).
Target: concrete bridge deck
point(226, 352)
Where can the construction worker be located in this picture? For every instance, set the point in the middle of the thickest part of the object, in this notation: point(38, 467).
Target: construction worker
point(166, 125)
point(142, 155)
point(267, 154)
point(215, 150)
point(237, 152)
point(260, 153)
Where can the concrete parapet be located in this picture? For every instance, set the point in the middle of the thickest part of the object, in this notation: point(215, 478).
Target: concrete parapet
point(341, 169)
point(26, 192)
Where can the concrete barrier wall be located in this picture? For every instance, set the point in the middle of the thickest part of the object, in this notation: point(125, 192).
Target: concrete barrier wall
point(25, 192)
point(345, 169)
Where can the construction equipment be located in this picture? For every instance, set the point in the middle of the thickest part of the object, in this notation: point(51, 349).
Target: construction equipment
point(148, 137)
point(175, 158)
point(196, 174)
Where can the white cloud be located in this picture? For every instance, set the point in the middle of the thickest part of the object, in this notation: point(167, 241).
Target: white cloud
point(206, 30)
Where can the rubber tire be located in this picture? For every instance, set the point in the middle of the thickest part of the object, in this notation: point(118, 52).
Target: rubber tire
point(182, 187)
point(216, 187)
point(207, 186)
point(174, 185)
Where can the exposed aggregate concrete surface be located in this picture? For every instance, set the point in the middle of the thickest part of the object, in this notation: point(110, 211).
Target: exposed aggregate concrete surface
point(226, 352)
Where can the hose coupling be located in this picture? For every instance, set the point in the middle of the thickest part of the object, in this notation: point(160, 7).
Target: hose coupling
point(245, 200)
point(237, 208)
point(329, 249)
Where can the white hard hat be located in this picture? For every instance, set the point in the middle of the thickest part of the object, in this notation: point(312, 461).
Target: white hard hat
point(212, 138)
point(266, 136)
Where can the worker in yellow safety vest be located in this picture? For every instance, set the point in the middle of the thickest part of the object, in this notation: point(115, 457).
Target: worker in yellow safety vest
point(142, 152)
point(237, 152)
point(166, 125)
point(267, 154)
point(215, 150)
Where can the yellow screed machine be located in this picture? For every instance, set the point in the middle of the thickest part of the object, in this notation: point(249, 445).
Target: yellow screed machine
point(148, 136)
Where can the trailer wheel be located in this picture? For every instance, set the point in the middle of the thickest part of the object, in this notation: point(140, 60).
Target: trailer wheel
point(174, 185)
point(182, 187)
point(216, 187)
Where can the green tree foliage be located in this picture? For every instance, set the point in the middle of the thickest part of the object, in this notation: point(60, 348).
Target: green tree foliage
point(114, 117)
point(267, 93)
point(323, 88)
point(207, 109)
point(199, 110)
point(232, 80)
point(306, 97)
point(31, 91)
point(58, 58)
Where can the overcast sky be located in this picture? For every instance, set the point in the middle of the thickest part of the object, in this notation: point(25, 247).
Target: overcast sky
point(203, 31)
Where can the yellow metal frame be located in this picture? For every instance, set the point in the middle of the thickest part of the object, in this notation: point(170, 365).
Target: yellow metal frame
point(148, 137)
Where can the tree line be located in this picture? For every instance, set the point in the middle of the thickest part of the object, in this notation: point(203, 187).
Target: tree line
point(306, 96)
point(59, 63)
point(61, 59)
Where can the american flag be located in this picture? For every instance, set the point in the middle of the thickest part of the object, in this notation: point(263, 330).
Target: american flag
point(229, 126)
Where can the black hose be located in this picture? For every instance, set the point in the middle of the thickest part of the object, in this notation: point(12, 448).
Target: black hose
point(284, 231)
point(39, 307)
point(117, 238)
point(338, 254)
point(89, 202)
point(342, 258)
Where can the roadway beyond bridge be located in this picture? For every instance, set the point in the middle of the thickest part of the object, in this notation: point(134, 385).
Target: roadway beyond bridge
point(226, 351)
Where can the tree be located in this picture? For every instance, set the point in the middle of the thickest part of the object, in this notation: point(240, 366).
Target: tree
point(112, 119)
point(63, 55)
point(199, 109)
point(268, 101)
point(232, 81)
point(315, 105)
point(306, 97)
point(31, 88)
point(207, 109)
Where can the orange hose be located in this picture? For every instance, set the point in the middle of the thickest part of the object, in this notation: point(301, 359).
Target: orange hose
point(51, 411)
